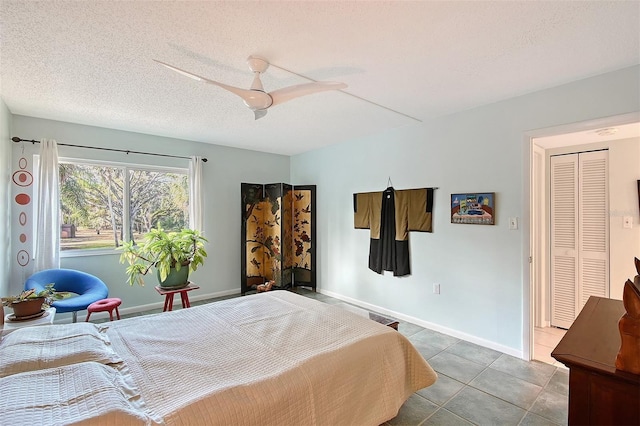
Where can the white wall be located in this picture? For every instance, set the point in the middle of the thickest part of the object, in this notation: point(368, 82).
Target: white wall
point(481, 269)
point(5, 199)
point(226, 169)
point(624, 173)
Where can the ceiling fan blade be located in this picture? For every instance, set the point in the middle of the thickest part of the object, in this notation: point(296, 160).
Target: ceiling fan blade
point(243, 93)
point(287, 93)
point(259, 113)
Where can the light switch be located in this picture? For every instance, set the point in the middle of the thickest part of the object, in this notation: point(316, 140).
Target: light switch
point(513, 223)
point(627, 222)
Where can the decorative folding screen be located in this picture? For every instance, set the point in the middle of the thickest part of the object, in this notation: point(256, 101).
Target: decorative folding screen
point(278, 235)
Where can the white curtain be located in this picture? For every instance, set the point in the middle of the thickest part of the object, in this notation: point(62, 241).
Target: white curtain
point(195, 194)
point(47, 252)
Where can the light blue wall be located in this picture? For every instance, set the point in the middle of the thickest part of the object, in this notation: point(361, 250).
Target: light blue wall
point(5, 198)
point(480, 268)
point(226, 169)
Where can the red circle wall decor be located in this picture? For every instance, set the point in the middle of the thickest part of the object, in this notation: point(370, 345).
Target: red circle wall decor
point(23, 199)
point(22, 178)
point(23, 258)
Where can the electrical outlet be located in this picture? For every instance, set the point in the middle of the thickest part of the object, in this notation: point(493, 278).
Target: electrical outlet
point(436, 289)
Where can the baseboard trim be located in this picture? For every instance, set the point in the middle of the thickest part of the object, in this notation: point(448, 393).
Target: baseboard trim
point(177, 301)
point(66, 317)
point(426, 324)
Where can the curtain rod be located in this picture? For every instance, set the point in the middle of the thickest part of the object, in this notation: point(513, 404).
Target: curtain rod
point(126, 151)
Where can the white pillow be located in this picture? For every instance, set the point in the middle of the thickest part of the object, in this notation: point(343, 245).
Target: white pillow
point(85, 393)
point(37, 348)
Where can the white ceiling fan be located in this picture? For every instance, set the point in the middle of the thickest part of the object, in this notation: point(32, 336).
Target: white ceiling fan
point(256, 98)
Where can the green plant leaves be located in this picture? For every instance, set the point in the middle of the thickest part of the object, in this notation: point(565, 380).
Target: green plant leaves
point(163, 250)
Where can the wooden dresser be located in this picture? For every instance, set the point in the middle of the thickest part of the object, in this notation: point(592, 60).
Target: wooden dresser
point(598, 393)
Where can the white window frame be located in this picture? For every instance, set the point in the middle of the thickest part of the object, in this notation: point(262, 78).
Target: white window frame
point(125, 202)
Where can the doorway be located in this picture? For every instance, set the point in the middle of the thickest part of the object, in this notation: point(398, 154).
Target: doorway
point(539, 337)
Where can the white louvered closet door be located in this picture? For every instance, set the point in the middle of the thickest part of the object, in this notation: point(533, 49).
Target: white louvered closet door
point(564, 239)
point(593, 233)
point(579, 233)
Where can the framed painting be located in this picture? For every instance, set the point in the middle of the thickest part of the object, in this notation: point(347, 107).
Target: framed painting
point(473, 208)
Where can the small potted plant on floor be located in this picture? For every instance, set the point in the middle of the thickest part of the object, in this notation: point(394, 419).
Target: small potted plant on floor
point(30, 303)
point(173, 254)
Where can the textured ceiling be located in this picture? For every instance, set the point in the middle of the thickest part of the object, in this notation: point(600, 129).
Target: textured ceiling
point(92, 62)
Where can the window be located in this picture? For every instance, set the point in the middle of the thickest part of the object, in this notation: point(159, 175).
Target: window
point(102, 204)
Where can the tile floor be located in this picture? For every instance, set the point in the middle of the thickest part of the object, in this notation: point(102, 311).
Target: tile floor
point(545, 340)
point(475, 386)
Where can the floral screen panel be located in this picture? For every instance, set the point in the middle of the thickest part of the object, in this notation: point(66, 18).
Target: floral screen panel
point(253, 206)
point(287, 241)
point(277, 232)
point(303, 235)
point(277, 235)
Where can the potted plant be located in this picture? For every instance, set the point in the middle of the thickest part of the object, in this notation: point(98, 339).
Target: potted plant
point(173, 254)
point(29, 302)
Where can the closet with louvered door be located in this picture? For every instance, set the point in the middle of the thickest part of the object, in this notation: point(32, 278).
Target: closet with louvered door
point(579, 233)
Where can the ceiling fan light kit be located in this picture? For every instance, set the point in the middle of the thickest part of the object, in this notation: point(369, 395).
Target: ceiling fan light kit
point(256, 98)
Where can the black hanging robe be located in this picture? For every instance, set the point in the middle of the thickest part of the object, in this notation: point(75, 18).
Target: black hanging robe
point(391, 215)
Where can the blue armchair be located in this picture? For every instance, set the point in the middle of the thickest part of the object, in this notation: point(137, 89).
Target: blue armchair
point(88, 288)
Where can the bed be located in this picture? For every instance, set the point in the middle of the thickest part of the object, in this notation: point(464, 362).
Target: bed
point(274, 358)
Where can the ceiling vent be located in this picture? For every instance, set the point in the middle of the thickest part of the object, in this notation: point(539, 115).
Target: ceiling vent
point(609, 131)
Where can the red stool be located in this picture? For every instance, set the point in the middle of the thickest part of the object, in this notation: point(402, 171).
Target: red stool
point(105, 305)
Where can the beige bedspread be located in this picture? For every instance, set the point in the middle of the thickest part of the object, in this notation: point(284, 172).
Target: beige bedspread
point(273, 358)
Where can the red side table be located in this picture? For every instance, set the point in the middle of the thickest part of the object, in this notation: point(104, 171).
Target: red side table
point(184, 296)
